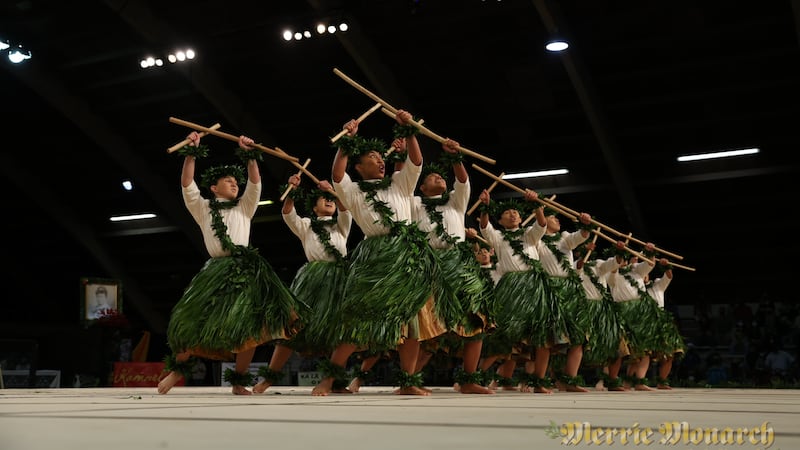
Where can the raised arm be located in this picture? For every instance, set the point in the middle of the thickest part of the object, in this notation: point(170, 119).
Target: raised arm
point(340, 160)
point(253, 172)
point(451, 146)
point(404, 117)
point(288, 202)
point(187, 172)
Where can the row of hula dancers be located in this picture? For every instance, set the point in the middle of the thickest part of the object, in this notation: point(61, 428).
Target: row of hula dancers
point(419, 282)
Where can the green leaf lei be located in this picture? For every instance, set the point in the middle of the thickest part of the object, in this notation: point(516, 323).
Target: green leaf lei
point(436, 217)
point(238, 379)
point(405, 379)
point(246, 155)
point(320, 228)
point(220, 229)
point(550, 242)
point(201, 151)
point(404, 131)
point(371, 190)
point(513, 239)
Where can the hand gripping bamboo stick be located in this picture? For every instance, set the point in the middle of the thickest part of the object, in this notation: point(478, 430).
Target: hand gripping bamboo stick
point(422, 129)
point(532, 216)
point(597, 232)
point(360, 118)
point(589, 252)
point(620, 234)
point(291, 186)
point(552, 204)
point(187, 141)
point(233, 138)
point(489, 189)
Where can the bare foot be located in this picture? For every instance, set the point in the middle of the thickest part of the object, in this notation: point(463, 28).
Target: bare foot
point(261, 386)
point(617, 389)
point(493, 385)
point(354, 385)
point(665, 387)
point(561, 386)
point(522, 388)
point(412, 390)
point(168, 382)
point(240, 390)
point(542, 390)
point(456, 387)
point(643, 387)
point(575, 388)
point(600, 386)
point(428, 390)
point(472, 388)
point(323, 388)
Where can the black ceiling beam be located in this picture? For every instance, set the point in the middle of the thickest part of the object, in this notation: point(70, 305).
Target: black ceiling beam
point(581, 81)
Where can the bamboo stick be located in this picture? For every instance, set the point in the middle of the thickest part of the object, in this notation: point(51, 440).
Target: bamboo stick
point(620, 234)
point(525, 222)
point(305, 171)
point(187, 141)
point(360, 118)
point(393, 149)
point(233, 138)
point(553, 204)
point(489, 189)
point(628, 249)
point(364, 90)
point(440, 139)
point(291, 186)
point(589, 252)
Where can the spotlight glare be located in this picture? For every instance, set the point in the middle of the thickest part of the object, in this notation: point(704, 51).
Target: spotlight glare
point(181, 55)
point(190, 54)
point(331, 29)
point(298, 35)
point(556, 46)
point(159, 62)
point(306, 34)
point(150, 61)
point(143, 64)
point(287, 35)
point(343, 27)
point(321, 28)
point(127, 185)
point(172, 58)
point(4, 45)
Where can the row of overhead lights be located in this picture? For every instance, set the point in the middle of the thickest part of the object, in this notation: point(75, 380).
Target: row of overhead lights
point(16, 54)
point(321, 28)
point(173, 58)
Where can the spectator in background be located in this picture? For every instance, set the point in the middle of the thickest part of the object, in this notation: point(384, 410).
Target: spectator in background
point(778, 361)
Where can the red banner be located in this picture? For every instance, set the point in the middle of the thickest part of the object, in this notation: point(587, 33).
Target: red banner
point(139, 374)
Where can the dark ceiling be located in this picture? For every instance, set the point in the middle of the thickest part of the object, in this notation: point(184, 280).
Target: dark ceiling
point(642, 83)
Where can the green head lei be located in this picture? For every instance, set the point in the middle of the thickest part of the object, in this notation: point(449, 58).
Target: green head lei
point(354, 147)
point(213, 174)
point(497, 208)
point(311, 197)
point(430, 168)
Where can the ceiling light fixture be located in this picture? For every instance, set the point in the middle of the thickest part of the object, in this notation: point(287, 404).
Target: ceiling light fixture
point(132, 217)
point(4, 44)
point(536, 174)
point(127, 185)
point(714, 155)
point(18, 54)
point(557, 45)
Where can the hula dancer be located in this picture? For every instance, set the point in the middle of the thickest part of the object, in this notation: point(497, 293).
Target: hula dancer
point(387, 299)
point(528, 314)
point(639, 313)
point(555, 254)
point(672, 343)
point(319, 283)
point(219, 315)
point(459, 303)
point(607, 341)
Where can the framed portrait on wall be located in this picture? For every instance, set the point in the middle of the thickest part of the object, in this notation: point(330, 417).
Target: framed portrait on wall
point(100, 297)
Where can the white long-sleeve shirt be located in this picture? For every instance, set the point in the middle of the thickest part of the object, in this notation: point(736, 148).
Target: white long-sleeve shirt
point(565, 245)
point(601, 269)
point(453, 213)
point(621, 288)
point(236, 219)
point(657, 289)
point(507, 261)
point(397, 196)
point(313, 248)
